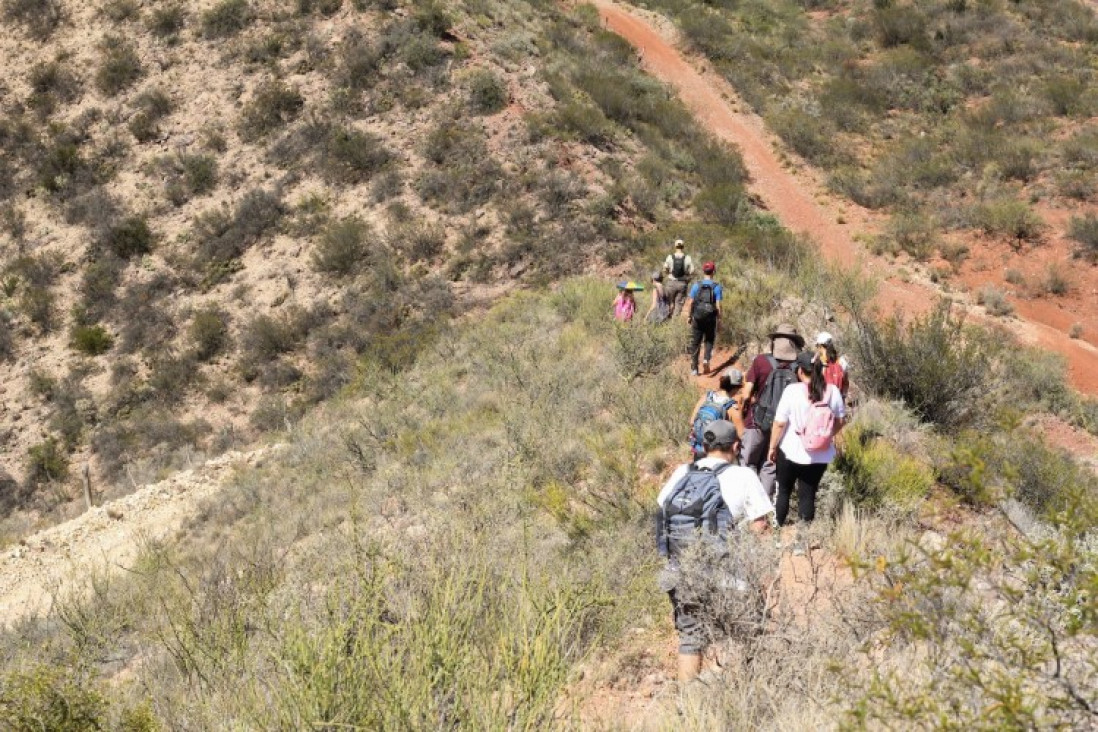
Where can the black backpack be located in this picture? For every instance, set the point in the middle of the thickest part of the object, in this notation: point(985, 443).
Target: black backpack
point(678, 266)
point(695, 505)
point(767, 405)
point(705, 302)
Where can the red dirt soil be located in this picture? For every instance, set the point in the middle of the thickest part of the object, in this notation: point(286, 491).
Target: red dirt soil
point(799, 199)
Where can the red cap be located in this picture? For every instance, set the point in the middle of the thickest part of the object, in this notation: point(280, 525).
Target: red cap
point(709, 268)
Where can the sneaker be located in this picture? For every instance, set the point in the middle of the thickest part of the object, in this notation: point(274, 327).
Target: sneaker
point(693, 372)
point(705, 367)
point(798, 549)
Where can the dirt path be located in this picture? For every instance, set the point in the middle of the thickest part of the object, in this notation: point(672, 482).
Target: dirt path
point(106, 538)
point(798, 197)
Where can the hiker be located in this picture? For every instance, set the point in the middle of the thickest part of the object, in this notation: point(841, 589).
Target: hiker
point(759, 400)
point(802, 444)
point(678, 270)
point(658, 310)
point(709, 495)
point(719, 403)
point(703, 310)
point(625, 304)
point(834, 365)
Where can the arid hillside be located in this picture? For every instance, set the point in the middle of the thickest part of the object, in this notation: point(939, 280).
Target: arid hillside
point(215, 213)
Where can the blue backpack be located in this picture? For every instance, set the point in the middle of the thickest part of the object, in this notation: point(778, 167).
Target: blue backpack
point(708, 412)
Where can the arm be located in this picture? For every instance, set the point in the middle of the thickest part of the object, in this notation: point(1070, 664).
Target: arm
point(777, 432)
point(759, 526)
point(745, 397)
point(655, 303)
point(688, 309)
point(735, 416)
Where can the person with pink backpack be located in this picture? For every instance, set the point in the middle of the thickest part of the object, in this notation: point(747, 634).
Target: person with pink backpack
point(625, 305)
point(802, 441)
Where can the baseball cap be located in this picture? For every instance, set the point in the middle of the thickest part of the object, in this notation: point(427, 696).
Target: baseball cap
point(709, 268)
point(823, 338)
point(679, 244)
point(805, 360)
point(734, 376)
point(719, 433)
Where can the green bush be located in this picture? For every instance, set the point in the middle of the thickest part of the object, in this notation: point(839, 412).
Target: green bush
point(322, 7)
point(190, 175)
point(52, 83)
point(152, 105)
point(915, 234)
point(165, 21)
point(945, 374)
point(119, 65)
point(91, 340)
point(222, 235)
point(995, 301)
point(878, 477)
point(41, 17)
point(343, 247)
point(227, 18)
point(129, 238)
point(1011, 219)
point(119, 11)
point(52, 698)
point(353, 156)
point(273, 105)
point(418, 241)
point(46, 462)
point(209, 332)
point(487, 92)
point(1084, 230)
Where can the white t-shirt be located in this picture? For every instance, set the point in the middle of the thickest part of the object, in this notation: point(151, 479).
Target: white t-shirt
point(688, 267)
point(740, 488)
point(793, 408)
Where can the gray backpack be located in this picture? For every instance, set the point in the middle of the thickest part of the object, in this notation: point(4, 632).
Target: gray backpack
point(767, 405)
point(694, 509)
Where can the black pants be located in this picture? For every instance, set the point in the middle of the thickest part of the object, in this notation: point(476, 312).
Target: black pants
point(807, 478)
point(705, 330)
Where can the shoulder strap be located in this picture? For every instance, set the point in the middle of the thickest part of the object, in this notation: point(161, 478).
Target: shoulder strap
point(773, 363)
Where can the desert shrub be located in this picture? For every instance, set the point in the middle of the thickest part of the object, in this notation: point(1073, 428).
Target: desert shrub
point(52, 83)
point(209, 332)
point(40, 17)
point(1009, 218)
point(189, 175)
point(995, 301)
point(264, 337)
point(1067, 95)
point(944, 373)
point(722, 204)
point(900, 25)
point(342, 248)
point(97, 288)
point(1084, 230)
point(91, 340)
point(321, 7)
point(487, 92)
point(1055, 281)
point(152, 105)
point(119, 65)
point(146, 431)
point(227, 18)
point(878, 477)
point(46, 462)
point(119, 11)
point(148, 324)
point(462, 173)
point(130, 237)
point(273, 105)
point(646, 351)
point(165, 21)
point(1081, 149)
point(418, 241)
point(170, 376)
point(222, 235)
point(39, 306)
point(54, 698)
point(60, 165)
point(352, 156)
point(813, 138)
point(358, 62)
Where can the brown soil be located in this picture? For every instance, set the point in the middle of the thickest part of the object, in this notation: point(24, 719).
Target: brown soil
point(794, 192)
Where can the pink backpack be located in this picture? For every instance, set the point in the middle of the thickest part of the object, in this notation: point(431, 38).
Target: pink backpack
point(819, 425)
point(624, 308)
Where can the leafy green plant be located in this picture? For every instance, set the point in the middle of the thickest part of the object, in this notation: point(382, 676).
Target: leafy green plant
point(119, 65)
point(46, 462)
point(91, 340)
point(130, 237)
point(487, 92)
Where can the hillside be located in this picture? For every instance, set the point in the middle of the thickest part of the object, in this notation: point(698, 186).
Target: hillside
point(216, 213)
point(457, 532)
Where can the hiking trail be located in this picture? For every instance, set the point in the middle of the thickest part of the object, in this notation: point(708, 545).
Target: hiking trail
point(50, 563)
point(795, 193)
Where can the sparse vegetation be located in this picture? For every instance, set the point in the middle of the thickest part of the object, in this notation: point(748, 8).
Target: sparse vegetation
point(487, 92)
point(227, 18)
point(343, 247)
point(1084, 230)
point(273, 105)
point(39, 17)
point(91, 340)
point(119, 65)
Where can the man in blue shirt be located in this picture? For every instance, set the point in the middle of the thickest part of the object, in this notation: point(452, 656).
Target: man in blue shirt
point(703, 310)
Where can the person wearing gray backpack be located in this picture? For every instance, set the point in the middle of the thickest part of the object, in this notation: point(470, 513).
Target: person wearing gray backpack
point(764, 383)
point(703, 501)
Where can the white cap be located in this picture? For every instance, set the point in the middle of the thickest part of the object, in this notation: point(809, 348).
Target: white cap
point(679, 243)
point(823, 338)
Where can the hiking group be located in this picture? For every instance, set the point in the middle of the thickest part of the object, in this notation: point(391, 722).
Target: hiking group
point(754, 439)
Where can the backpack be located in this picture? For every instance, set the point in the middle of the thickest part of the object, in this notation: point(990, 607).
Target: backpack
point(819, 424)
point(767, 405)
point(708, 412)
point(705, 302)
point(678, 266)
point(695, 504)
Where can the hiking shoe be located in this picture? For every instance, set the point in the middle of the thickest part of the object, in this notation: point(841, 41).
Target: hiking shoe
point(693, 372)
point(798, 549)
point(705, 367)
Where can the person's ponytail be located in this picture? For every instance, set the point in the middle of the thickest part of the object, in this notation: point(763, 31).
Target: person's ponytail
point(817, 386)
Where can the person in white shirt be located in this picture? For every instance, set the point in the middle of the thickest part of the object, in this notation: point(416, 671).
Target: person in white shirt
point(742, 500)
point(794, 463)
point(679, 270)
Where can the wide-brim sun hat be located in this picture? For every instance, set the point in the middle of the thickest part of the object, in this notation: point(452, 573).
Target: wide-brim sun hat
point(630, 285)
point(787, 342)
